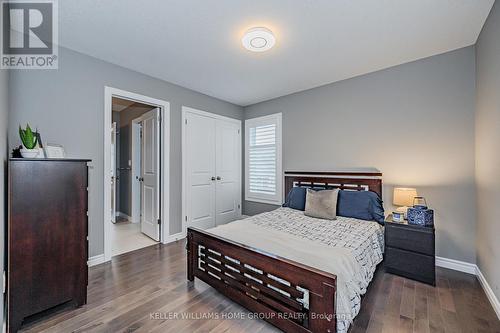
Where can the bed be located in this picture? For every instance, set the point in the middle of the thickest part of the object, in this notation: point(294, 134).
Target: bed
point(297, 272)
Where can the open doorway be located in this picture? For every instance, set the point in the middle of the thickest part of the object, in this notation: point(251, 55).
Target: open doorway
point(135, 175)
point(136, 160)
point(134, 155)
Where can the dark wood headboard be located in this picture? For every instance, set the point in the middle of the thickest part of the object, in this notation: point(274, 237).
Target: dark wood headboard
point(355, 181)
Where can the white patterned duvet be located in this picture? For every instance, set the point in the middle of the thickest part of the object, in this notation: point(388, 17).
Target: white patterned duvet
point(347, 247)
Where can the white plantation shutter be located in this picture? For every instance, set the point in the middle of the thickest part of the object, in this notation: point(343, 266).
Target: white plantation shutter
point(263, 159)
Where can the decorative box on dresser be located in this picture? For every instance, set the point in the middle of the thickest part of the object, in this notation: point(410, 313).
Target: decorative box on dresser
point(410, 251)
point(47, 246)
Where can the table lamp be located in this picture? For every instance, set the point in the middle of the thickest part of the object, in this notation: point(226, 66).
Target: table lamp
point(403, 197)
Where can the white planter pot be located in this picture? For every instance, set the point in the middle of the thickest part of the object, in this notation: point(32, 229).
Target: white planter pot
point(29, 153)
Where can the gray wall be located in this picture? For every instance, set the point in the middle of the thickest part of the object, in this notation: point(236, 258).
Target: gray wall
point(488, 149)
point(414, 122)
point(67, 106)
point(4, 105)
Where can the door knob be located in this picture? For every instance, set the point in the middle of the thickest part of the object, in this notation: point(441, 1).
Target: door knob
point(213, 178)
point(219, 178)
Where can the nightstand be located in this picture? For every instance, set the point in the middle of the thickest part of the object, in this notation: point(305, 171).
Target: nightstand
point(410, 251)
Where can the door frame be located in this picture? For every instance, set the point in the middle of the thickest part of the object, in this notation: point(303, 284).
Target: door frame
point(164, 106)
point(135, 211)
point(185, 110)
point(114, 164)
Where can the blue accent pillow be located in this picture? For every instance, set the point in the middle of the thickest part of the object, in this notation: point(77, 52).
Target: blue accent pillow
point(363, 205)
point(296, 198)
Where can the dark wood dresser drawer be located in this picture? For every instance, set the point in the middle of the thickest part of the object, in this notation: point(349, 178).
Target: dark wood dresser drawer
point(410, 264)
point(409, 251)
point(415, 239)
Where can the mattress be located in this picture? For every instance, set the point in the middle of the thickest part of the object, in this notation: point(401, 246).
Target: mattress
point(347, 247)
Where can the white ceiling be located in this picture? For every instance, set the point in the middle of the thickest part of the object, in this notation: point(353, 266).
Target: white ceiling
point(196, 44)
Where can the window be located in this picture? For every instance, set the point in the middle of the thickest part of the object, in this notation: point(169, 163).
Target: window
point(263, 176)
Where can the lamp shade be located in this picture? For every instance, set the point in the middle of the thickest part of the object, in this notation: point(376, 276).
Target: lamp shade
point(404, 196)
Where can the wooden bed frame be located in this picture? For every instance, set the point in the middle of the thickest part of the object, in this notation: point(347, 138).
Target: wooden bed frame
point(292, 296)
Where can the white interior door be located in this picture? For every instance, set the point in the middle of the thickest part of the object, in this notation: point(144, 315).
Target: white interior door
point(136, 172)
point(113, 172)
point(199, 171)
point(150, 174)
point(228, 170)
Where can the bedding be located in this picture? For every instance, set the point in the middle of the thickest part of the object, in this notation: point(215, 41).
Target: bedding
point(363, 205)
point(347, 247)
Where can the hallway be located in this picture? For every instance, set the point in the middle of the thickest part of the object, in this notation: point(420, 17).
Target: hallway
point(127, 236)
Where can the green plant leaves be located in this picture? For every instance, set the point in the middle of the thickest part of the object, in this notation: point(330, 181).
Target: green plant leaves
point(28, 137)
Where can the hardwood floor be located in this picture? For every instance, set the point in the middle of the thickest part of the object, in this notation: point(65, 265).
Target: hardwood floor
point(139, 290)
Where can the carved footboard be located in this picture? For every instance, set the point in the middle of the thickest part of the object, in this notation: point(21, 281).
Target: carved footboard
point(289, 295)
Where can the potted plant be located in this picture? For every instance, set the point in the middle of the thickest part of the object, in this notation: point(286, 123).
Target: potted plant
point(30, 141)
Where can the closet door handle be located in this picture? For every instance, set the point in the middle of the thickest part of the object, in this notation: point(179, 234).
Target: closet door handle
point(213, 179)
point(219, 178)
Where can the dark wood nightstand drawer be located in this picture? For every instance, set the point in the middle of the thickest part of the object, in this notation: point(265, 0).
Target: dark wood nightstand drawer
point(410, 264)
point(411, 238)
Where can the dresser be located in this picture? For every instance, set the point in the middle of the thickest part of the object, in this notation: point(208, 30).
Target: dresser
point(410, 251)
point(46, 236)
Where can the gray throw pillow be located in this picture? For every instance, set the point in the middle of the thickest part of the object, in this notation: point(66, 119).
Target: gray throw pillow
point(322, 204)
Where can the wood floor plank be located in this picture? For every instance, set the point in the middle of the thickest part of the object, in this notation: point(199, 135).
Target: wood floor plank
point(392, 310)
point(436, 324)
point(405, 325)
point(369, 304)
point(125, 296)
point(377, 317)
point(408, 300)
point(421, 322)
point(166, 312)
point(376, 324)
point(445, 295)
point(451, 322)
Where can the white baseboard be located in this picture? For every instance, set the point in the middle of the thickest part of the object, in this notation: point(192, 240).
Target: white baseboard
point(456, 265)
point(96, 260)
point(174, 237)
point(489, 292)
point(125, 216)
point(466, 267)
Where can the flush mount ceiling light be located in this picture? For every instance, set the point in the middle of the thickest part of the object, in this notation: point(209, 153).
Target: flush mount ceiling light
point(258, 39)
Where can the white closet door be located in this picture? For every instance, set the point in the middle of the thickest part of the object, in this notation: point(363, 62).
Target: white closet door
point(200, 171)
point(228, 169)
point(150, 174)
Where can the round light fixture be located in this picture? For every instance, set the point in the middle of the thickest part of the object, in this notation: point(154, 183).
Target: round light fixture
point(258, 39)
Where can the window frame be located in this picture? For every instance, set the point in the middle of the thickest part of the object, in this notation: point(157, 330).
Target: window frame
point(276, 199)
